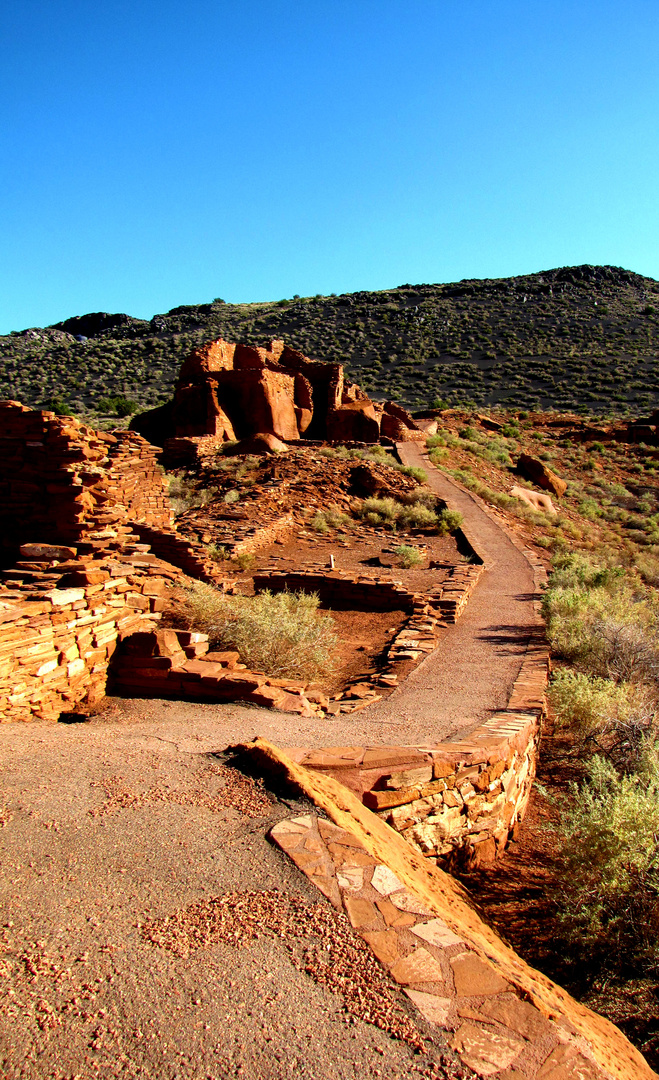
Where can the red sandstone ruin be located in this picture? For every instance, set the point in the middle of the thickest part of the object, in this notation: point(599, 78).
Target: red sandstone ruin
point(231, 392)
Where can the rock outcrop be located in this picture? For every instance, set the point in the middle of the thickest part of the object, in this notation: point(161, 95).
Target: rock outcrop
point(231, 392)
point(538, 473)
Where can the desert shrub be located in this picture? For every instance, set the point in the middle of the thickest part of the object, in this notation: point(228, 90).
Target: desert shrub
point(601, 620)
point(438, 455)
point(613, 715)
point(183, 494)
point(648, 566)
point(394, 514)
point(281, 634)
point(246, 560)
point(607, 891)
point(319, 523)
point(333, 518)
point(217, 552)
point(449, 521)
point(410, 556)
point(418, 474)
point(232, 496)
point(434, 441)
point(117, 406)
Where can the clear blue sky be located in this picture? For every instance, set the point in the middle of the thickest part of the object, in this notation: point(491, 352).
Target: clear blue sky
point(157, 152)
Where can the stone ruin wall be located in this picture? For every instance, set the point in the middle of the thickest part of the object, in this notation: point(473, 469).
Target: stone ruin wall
point(61, 481)
point(228, 392)
point(76, 578)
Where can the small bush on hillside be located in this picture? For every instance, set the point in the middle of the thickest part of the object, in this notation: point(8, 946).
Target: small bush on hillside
point(607, 891)
point(613, 716)
point(117, 406)
point(218, 552)
point(410, 556)
point(418, 474)
point(333, 518)
point(449, 521)
point(438, 455)
point(648, 566)
point(601, 620)
point(281, 634)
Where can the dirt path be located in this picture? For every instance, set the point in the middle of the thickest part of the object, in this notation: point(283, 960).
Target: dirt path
point(91, 997)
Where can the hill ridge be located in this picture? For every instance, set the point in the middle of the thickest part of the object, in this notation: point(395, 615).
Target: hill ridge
point(581, 338)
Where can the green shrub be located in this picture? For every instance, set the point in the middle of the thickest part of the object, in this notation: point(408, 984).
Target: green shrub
point(590, 705)
point(333, 518)
point(607, 890)
point(438, 455)
point(394, 514)
point(117, 406)
point(410, 556)
point(599, 619)
point(415, 472)
point(435, 440)
point(449, 521)
point(218, 552)
point(281, 634)
point(648, 566)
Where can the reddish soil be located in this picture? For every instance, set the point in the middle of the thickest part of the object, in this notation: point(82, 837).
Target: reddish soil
point(363, 638)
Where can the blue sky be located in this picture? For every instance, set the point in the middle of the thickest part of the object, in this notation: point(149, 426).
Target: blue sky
point(162, 153)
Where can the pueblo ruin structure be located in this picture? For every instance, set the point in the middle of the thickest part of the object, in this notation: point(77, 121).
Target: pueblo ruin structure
point(230, 392)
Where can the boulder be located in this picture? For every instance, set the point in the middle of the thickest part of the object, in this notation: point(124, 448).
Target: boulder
point(539, 473)
point(535, 499)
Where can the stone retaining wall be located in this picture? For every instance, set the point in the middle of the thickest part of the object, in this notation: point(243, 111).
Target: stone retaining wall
point(457, 802)
point(502, 1018)
point(56, 640)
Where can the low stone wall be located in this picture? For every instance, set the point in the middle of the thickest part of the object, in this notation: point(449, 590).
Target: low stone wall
point(500, 1016)
point(177, 664)
point(190, 557)
point(56, 640)
point(457, 802)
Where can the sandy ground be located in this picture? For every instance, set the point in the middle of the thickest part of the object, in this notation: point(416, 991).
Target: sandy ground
point(105, 833)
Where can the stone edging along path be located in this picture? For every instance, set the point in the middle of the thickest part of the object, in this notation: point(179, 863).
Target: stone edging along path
point(503, 1018)
point(459, 800)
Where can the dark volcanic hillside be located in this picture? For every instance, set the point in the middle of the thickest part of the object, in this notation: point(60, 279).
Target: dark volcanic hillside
point(582, 338)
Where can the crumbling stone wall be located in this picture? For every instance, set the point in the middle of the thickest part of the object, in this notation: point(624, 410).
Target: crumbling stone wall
point(61, 616)
point(61, 481)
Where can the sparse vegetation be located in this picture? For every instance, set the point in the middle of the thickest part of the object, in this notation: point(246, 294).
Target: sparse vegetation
point(535, 341)
point(280, 634)
point(410, 557)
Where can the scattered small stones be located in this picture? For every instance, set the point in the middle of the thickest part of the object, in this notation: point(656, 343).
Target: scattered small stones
point(331, 953)
point(239, 792)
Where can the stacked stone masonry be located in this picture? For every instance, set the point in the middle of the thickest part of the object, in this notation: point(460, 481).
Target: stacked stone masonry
point(60, 481)
point(503, 1020)
point(178, 664)
point(231, 392)
point(61, 617)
